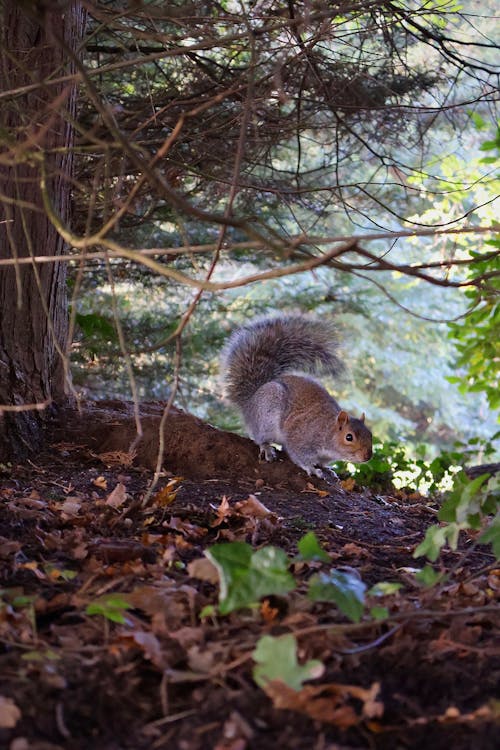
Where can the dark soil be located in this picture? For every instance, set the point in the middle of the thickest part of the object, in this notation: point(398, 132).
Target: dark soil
point(76, 524)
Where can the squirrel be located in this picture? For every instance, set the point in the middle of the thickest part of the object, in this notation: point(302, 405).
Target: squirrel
point(259, 363)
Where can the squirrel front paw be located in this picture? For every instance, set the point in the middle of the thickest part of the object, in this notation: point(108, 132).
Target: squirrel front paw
point(267, 453)
point(325, 473)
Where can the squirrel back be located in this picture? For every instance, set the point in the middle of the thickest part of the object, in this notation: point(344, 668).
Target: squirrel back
point(273, 346)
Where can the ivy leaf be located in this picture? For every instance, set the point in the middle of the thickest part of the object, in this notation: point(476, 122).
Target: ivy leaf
point(492, 534)
point(428, 576)
point(379, 613)
point(385, 588)
point(277, 660)
point(310, 549)
point(436, 538)
point(465, 500)
point(110, 606)
point(246, 576)
point(345, 589)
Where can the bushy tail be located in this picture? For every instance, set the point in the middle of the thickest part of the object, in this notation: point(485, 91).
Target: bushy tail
point(269, 347)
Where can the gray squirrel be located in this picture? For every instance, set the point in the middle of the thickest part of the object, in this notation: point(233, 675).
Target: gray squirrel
point(293, 410)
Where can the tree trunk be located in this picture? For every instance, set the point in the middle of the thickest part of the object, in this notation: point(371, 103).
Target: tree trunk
point(34, 127)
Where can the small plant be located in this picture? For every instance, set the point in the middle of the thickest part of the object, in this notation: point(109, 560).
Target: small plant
point(110, 606)
point(277, 660)
point(471, 504)
point(245, 576)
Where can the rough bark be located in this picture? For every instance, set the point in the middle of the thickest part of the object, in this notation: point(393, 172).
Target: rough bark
point(34, 127)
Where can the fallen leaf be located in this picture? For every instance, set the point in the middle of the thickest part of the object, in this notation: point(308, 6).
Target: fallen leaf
point(269, 614)
point(117, 497)
point(117, 458)
point(203, 569)
point(190, 530)
point(201, 659)
point(311, 488)
point(9, 713)
point(150, 646)
point(223, 511)
point(355, 550)
point(70, 507)
point(167, 494)
point(253, 507)
point(100, 482)
point(328, 703)
point(348, 484)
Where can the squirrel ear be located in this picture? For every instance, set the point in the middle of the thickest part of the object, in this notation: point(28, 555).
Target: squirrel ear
point(342, 418)
point(362, 418)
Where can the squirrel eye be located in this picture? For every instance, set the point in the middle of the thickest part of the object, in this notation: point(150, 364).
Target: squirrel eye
point(349, 437)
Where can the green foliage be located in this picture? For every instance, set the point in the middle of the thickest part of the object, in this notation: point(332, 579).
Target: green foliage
point(277, 660)
point(110, 606)
point(384, 588)
point(98, 331)
point(492, 536)
point(476, 336)
point(394, 464)
point(428, 577)
point(310, 549)
point(468, 506)
point(345, 589)
point(245, 576)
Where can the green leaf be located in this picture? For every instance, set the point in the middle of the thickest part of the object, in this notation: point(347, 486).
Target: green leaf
point(436, 538)
point(434, 541)
point(384, 588)
point(310, 549)
point(428, 576)
point(379, 613)
point(345, 589)
point(464, 500)
point(277, 660)
point(246, 576)
point(94, 324)
point(110, 606)
point(492, 535)
point(207, 611)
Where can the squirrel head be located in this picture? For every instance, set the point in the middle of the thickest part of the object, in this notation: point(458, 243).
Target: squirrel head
point(352, 438)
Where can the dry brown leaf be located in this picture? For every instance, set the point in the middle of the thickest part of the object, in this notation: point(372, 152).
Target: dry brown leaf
point(253, 507)
point(150, 645)
point(311, 488)
point(328, 703)
point(100, 482)
point(117, 497)
point(223, 511)
point(355, 550)
point(167, 494)
point(269, 614)
point(70, 507)
point(8, 547)
point(117, 458)
point(348, 484)
point(203, 569)
point(9, 713)
point(236, 733)
point(190, 530)
point(494, 580)
point(201, 659)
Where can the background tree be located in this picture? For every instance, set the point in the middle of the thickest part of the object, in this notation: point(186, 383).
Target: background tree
point(35, 158)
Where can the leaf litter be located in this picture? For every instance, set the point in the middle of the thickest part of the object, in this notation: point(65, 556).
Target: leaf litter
point(112, 637)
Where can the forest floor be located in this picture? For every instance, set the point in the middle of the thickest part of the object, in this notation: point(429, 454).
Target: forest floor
point(80, 549)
